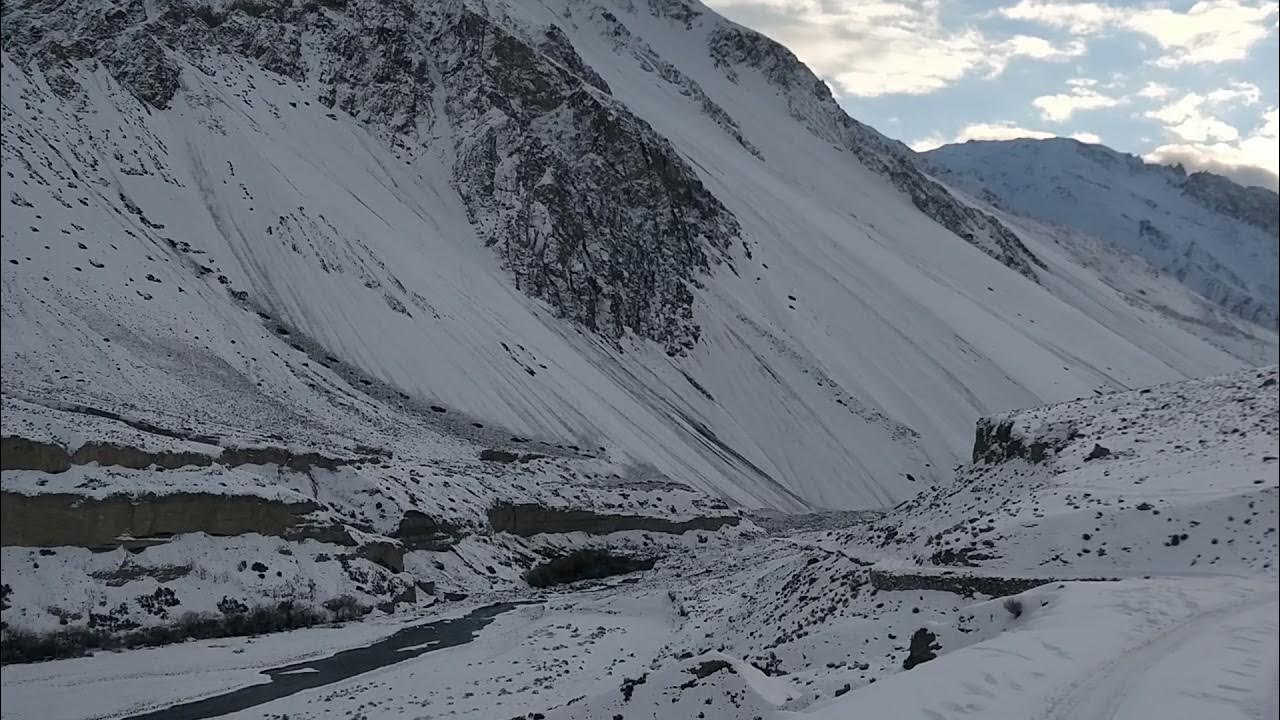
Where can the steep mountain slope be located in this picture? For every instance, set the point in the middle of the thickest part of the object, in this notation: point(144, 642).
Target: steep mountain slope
point(1219, 238)
point(656, 174)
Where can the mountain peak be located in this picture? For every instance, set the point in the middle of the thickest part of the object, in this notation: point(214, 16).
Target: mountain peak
point(1215, 235)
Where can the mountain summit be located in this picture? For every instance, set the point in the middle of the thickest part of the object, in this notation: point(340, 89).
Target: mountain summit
point(1216, 236)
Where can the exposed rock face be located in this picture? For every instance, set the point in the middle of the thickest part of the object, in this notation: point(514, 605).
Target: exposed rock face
point(419, 531)
point(809, 101)
point(588, 206)
point(17, 453)
point(924, 647)
point(388, 555)
point(584, 565)
point(1254, 205)
point(527, 519)
point(960, 584)
point(506, 457)
point(63, 519)
point(996, 441)
point(590, 209)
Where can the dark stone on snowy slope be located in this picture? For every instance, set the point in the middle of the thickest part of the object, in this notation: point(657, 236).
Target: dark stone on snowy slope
point(995, 441)
point(924, 647)
point(419, 531)
point(1097, 452)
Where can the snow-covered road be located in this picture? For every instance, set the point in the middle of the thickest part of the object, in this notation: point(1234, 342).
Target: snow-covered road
point(1171, 676)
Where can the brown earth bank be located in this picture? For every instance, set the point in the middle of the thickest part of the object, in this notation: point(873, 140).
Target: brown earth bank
point(526, 519)
point(57, 519)
point(19, 453)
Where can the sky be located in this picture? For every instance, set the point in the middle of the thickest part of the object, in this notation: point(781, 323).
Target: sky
point(1169, 80)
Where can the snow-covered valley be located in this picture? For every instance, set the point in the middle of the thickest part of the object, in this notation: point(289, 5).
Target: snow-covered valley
point(1115, 584)
point(323, 321)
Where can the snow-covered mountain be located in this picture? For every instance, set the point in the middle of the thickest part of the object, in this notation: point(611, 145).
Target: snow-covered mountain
point(351, 304)
point(1219, 238)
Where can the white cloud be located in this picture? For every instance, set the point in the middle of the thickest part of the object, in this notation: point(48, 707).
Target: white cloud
point(1081, 96)
point(995, 131)
point(1210, 31)
point(870, 49)
point(1252, 159)
point(1241, 93)
point(1155, 91)
point(1190, 119)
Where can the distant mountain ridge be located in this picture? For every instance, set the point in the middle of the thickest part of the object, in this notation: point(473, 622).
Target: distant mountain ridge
point(1216, 236)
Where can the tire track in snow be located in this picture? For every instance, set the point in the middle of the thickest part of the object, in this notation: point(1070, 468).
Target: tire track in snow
point(1118, 690)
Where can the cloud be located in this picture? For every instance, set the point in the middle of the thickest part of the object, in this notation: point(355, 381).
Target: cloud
point(995, 131)
point(1190, 119)
point(1252, 159)
point(1080, 96)
point(871, 49)
point(1155, 91)
point(1210, 31)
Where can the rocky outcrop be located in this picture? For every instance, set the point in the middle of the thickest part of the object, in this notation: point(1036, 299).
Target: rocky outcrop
point(419, 531)
point(17, 453)
point(590, 209)
point(996, 440)
point(962, 583)
point(1256, 206)
point(584, 565)
point(386, 554)
point(526, 519)
point(507, 457)
point(59, 519)
point(924, 647)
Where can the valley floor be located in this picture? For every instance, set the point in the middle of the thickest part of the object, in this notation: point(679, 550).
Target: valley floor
point(685, 640)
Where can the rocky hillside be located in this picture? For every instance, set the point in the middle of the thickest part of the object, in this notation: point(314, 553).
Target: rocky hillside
point(1219, 238)
point(1171, 479)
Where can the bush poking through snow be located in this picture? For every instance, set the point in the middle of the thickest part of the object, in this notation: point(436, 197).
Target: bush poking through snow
point(1014, 606)
point(346, 607)
point(19, 646)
